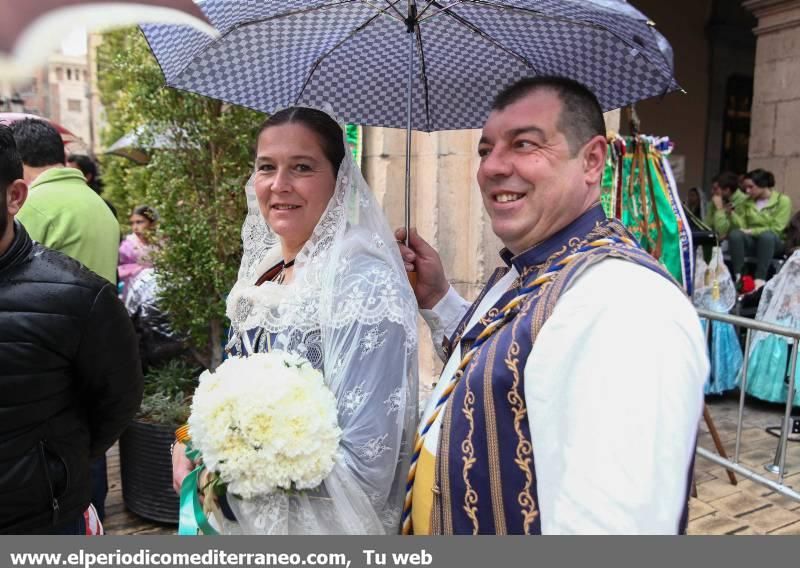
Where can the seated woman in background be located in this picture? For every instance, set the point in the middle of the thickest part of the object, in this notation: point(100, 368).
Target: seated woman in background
point(695, 203)
point(758, 225)
point(135, 250)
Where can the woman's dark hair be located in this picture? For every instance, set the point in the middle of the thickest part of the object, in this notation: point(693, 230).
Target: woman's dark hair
point(762, 178)
point(89, 168)
point(329, 132)
point(147, 212)
point(793, 233)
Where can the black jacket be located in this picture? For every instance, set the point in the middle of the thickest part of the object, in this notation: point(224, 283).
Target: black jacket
point(70, 382)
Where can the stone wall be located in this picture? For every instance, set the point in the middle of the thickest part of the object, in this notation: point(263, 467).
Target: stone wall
point(446, 207)
point(774, 139)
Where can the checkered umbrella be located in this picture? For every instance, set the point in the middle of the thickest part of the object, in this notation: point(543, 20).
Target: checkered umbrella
point(416, 64)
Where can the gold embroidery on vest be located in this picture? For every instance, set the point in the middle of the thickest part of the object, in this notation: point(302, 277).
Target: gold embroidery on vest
point(489, 316)
point(524, 452)
point(493, 450)
point(468, 452)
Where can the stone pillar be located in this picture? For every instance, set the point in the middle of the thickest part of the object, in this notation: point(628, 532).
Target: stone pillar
point(446, 206)
point(774, 143)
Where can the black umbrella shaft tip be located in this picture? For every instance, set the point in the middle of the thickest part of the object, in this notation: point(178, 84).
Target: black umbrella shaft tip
point(411, 19)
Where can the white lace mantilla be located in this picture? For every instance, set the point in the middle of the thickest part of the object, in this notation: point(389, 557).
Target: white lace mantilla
point(345, 274)
point(349, 309)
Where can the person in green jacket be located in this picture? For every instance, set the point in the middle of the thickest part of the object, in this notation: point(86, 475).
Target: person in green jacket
point(758, 224)
point(725, 198)
point(62, 212)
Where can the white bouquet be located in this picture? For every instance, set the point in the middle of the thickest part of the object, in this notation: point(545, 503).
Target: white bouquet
point(264, 423)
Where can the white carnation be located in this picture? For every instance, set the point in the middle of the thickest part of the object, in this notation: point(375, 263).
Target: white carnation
point(265, 422)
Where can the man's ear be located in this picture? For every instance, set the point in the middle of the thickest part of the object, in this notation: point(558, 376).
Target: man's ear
point(594, 159)
point(16, 194)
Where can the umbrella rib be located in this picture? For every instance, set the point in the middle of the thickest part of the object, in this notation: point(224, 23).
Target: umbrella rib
point(383, 11)
point(476, 30)
point(420, 18)
point(424, 75)
point(393, 6)
point(539, 14)
point(322, 57)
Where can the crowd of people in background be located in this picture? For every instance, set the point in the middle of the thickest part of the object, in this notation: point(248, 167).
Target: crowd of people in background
point(752, 219)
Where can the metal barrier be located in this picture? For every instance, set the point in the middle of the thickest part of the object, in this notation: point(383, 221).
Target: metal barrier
point(779, 463)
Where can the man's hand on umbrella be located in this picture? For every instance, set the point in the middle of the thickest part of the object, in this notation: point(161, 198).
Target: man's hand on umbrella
point(420, 257)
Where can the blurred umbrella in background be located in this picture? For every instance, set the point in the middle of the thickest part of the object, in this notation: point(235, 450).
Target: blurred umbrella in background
point(30, 31)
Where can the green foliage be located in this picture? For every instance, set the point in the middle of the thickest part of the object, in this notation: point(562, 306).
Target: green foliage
point(167, 393)
point(196, 186)
point(158, 408)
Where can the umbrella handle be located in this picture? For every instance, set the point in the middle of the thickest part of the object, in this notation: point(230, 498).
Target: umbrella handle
point(412, 279)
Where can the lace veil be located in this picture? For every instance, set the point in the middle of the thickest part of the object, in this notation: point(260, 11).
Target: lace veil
point(780, 301)
point(350, 310)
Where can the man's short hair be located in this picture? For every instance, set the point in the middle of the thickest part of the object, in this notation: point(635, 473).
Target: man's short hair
point(581, 116)
point(727, 180)
point(10, 161)
point(38, 142)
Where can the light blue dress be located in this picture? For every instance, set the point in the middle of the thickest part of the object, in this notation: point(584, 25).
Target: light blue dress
point(726, 358)
point(768, 368)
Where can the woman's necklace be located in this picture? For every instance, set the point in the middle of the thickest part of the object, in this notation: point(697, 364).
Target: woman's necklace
point(282, 274)
point(275, 274)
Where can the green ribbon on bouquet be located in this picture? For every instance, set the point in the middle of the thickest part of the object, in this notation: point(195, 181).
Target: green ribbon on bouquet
point(192, 518)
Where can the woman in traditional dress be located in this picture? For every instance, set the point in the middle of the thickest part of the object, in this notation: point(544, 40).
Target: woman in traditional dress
point(321, 276)
point(768, 372)
point(136, 249)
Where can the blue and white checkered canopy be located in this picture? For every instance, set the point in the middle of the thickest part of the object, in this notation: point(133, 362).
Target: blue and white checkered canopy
point(354, 55)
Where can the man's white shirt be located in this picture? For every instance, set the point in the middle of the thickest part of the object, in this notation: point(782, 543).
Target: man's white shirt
point(614, 392)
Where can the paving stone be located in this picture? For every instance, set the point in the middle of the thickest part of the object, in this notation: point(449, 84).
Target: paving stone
point(757, 458)
point(782, 501)
point(748, 530)
point(698, 508)
point(719, 472)
point(702, 476)
point(769, 518)
point(715, 489)
point(794, 529)
point(739, 503)
point(716, 523)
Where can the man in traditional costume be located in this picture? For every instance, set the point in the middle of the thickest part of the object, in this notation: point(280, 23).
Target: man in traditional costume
point(574, 383)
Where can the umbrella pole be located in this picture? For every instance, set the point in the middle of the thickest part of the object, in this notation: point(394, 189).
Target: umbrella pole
point(409, 89)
